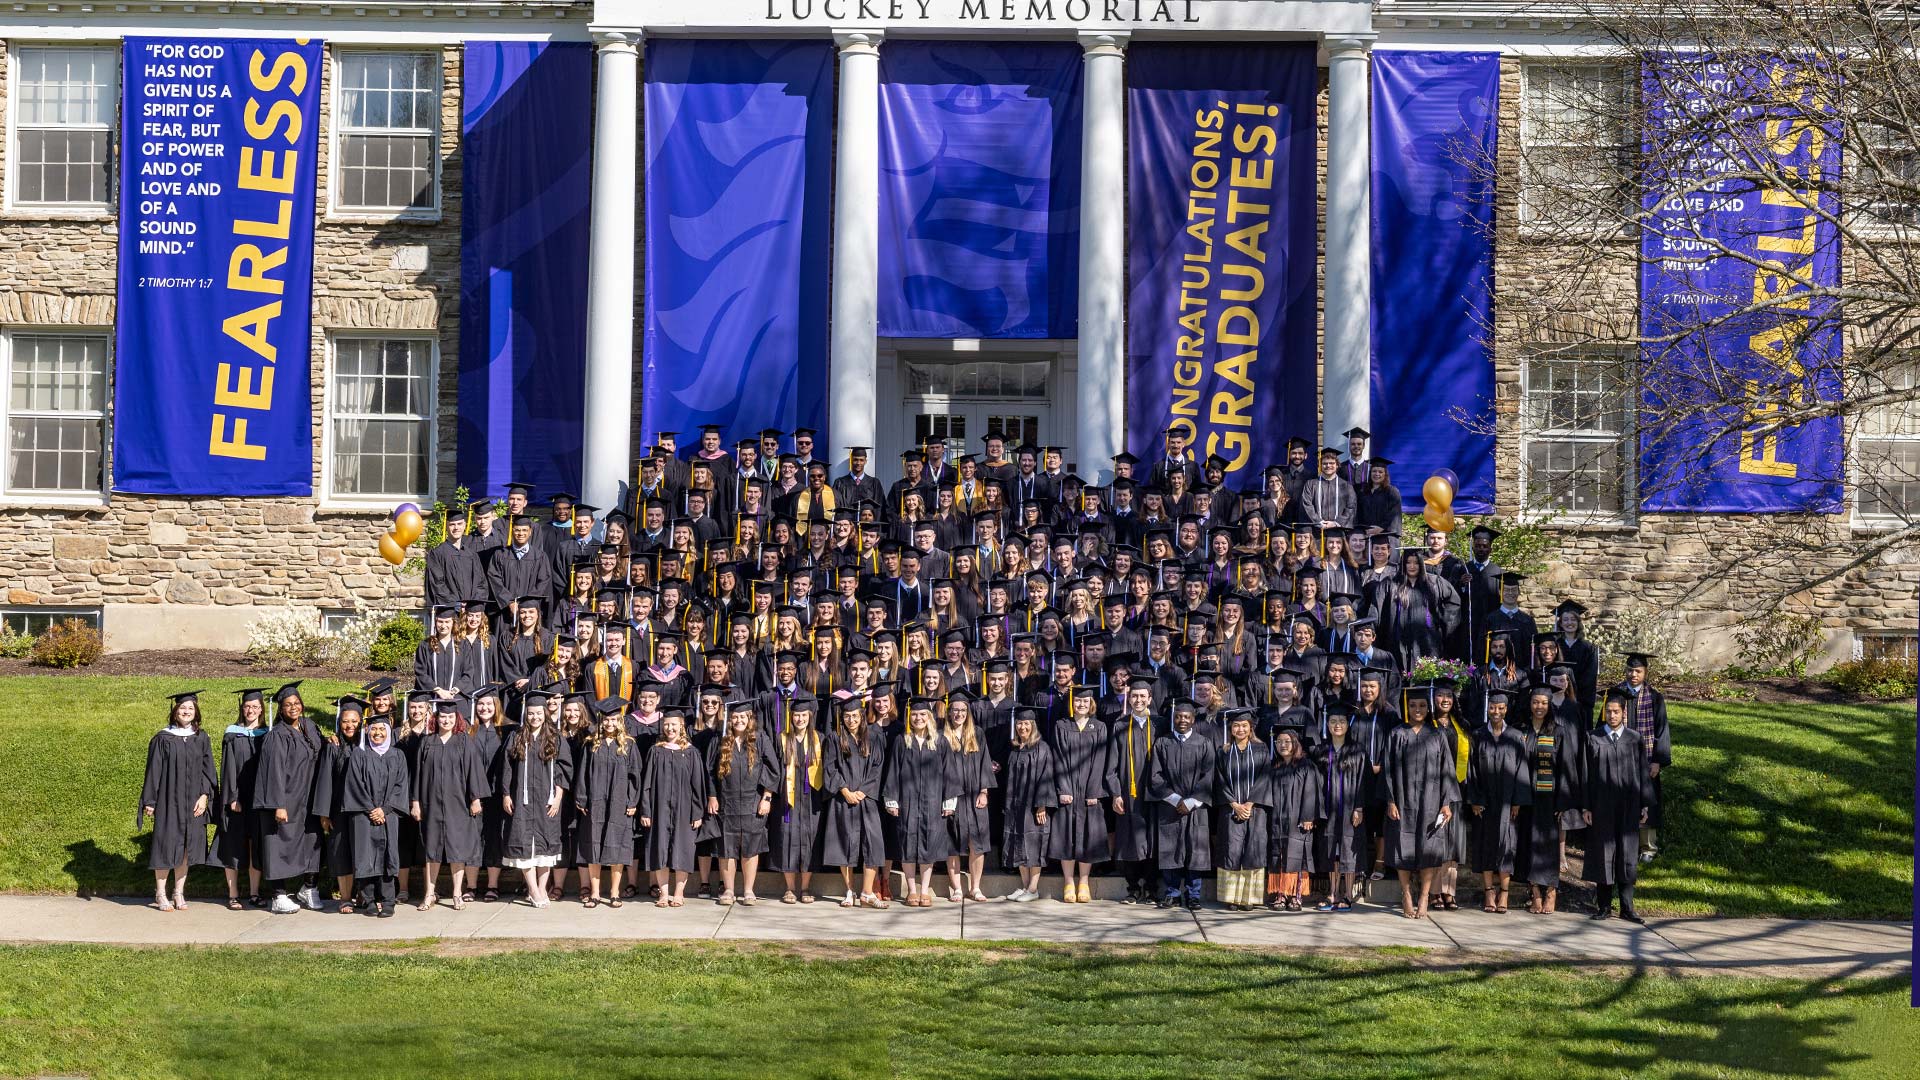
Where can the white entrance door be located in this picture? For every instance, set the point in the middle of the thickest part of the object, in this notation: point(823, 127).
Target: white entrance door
point(962, 401)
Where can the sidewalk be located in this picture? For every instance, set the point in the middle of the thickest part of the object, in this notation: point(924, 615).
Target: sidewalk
point(1780, 947)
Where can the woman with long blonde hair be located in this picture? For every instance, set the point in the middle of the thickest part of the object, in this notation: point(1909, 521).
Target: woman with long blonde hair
point(741, 770)
point(970, 775)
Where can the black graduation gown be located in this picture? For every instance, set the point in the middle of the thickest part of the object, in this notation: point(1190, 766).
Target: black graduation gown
point(1031, 782)
point(530, 783)
point(509, 578)
point(289, 764)
point(1419, 781)
point(490, 743)
point(409, 745)
point(336, 844)
point(740, 828)
point(454, 574)
point(606, 784)
point(915, 786)
point(179, 773)
point(970, 827)
point(793, 828)
point(1614, 787)
point(375, 780)
point(1369, 732)
point(440, 669)
point(1129, 768)
point(1243, 776)
point(1416, 621)
point(853, 831)
point(447, 779)
point(1340, 846)
point(1457, 826)
point(673, 795)
point(1184, 768)
point(1662, 752)
point(1553, 764)
point(1296, 798)
point(1499, 778)
point(578, 746)
point(237, 838)
point(1077, 832)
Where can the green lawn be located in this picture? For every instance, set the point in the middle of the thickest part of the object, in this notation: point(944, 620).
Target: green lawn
point(1794, 810)
point(715, 1010)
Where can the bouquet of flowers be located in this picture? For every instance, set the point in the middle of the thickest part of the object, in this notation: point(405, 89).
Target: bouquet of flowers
point(1435, 669)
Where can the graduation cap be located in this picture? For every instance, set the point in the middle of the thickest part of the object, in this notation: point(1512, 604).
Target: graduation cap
point(537, 697)
point(1512, 577)
point(1622, 695)
point(610, 706)
point(1356, 433)
point(419, 693)
point(1329, 452)
point(481, 506)
point(259, 693)
point(1489, 531)
point(291, 689)
point(187, 695)
point(1304, 444)
point(1379, 462)
point(741, 704)
point(446, 706)
point(1374, 674)
point(343, 704)
point(1638, 659)
point(1574, 606)
point(1493, 694)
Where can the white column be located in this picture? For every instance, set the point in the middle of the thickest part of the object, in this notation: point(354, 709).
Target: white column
point(1103, 281)
point(1349, 229)
point(852, 402)
point(609, 405)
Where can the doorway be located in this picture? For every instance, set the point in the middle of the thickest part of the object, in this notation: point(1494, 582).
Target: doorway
point(959, 394)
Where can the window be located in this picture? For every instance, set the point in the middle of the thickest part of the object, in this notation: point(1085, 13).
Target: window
point(1576, 420)
point(1886, 445)
point(34, 621)
point(334, 620)
point(1017, 380)
point(1575, 154)
point(65, 101)
point(56, 413)
point(380, 417)
point(1891, 175)
point(388, 116)
point(1903, 647)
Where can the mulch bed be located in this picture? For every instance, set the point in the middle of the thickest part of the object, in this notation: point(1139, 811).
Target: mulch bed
point(189, 664)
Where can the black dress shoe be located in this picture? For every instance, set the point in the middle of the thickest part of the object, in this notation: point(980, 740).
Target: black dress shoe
point(1597, 916)
point(1632, 916)
point(1166, 901)
point(1132, 897)
point(1193, 903)
point(386, 911)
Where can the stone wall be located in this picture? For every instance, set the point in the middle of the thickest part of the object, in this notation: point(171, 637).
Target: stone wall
point(1705, 571)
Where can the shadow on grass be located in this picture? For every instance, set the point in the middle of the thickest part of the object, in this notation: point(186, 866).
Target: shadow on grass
point(99, 872)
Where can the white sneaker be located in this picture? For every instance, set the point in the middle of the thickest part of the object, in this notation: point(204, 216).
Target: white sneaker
point(310, 898)
point(1017, 895)
point(283, 904)
point(1025, 895)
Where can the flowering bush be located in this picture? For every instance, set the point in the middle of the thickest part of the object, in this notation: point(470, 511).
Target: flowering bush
point(1434, 669)
point(352, 644)
point(290, 637)
point(14, 645)
point(69, 644)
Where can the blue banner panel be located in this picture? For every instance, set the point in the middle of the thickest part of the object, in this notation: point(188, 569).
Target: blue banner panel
point(1220, 249)
point(739, 155)
point(1435, 122)
point(1727, 345)
point(526, 186)
point(979, 189)
point(212, 394)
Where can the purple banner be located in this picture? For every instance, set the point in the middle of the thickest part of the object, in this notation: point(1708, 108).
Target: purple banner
point(1733, 333)
point(979, 189)
point(1435, 119)
point(527, 179)
point(739, 149)
point(1220, 261)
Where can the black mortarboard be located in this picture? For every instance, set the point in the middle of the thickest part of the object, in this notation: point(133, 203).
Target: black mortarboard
point(187, 695)
point(1356, 433)
point(259, 693)
point(291, 689)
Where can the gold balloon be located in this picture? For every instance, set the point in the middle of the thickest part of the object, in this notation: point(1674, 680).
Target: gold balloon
point(408, 527)
point(1438, 493)
point(1439, 520)
point(391, 550)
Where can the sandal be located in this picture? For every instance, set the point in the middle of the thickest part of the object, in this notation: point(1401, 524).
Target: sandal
point(1324, 905)
point(346, 907)
point(806, 897)
point(706, 891)
point(590, 902)
point(490, 895)
point(459, 903)
point(1487, 906)
point(870, 900)
point(256, 901)
point(616, 902)
point(660, 901)
point(953, 896)
point(428, 901)
point(977, 896)
point(726, 898)
point(467, 897)
point(234, 904)
point(161, 903)
point(675, 903)
point(849, 900)
point(748, 900)
point(788, 897)
point(1343, 905)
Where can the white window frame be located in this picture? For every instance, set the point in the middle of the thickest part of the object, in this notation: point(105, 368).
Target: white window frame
point(1871, 222)
point(336, 135)
point(1858, 460)
point(1527, 211)
point(329, 499)
point(83, 497)
point(15, 208)
point(1526, 435)
point(59, 613)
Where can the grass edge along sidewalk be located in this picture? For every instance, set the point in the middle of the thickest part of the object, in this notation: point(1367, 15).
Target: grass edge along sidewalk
point(1793, 810)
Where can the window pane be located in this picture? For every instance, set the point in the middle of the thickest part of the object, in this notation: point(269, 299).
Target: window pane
point(379, 457)
point(66, 86)
point(59, 373)
point(33, 622)
point(1574, 477)
point(386, 172)
point(1576, 393)
point(53, 454)
point(1889, 472)
point(382, 416)
point(62, 166)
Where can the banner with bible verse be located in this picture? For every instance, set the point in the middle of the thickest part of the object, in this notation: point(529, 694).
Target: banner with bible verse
point(1741, 237)
point(1220, 259)
point(212, 394)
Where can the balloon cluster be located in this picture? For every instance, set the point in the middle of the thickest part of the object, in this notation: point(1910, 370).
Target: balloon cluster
point(408, 525)
point(1438, 491)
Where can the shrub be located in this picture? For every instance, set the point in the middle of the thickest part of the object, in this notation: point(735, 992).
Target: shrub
point(1522, 546)
point(70, 644)
point(395, 642)
point(1779, 644)
point(351, 646)
point(1634, 629)
point(436, 530)
point(15, 645)
point(1887, 678)
point(290, 637)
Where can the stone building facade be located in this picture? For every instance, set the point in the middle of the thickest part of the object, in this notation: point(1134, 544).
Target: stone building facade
point(166, 572)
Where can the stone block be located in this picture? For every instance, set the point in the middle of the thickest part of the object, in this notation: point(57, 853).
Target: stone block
point(184, 590)
point(230, 595)
point(167, 535)
point(22, 596)
point(288, 514)
point(79, 547)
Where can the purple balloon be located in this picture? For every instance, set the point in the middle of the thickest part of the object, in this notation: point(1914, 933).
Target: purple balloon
point(403, 508)
point(1452, 480)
